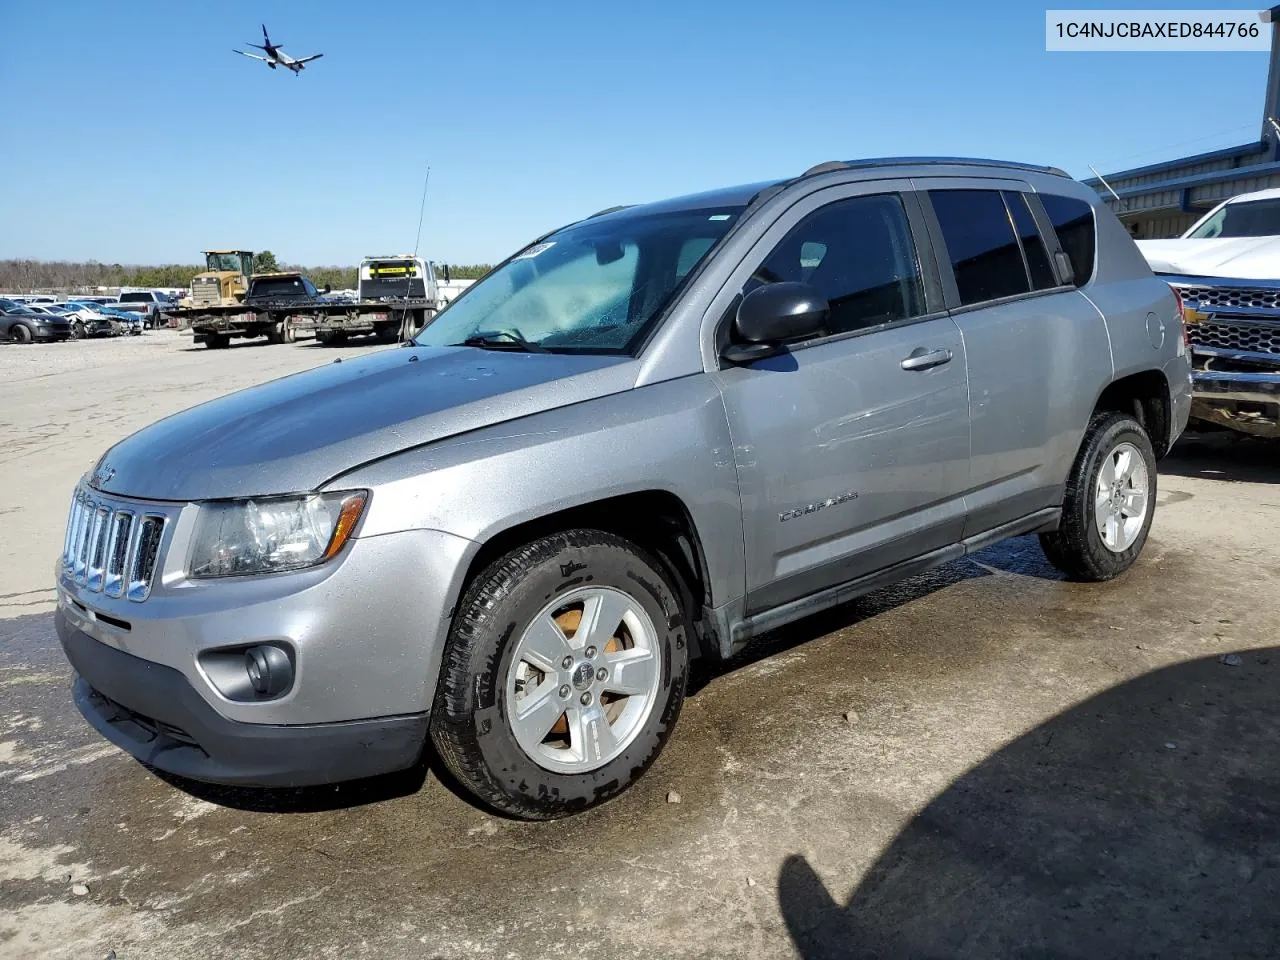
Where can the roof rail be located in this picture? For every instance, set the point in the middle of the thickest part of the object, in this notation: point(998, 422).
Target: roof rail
point(601, 213)
point(930, 161)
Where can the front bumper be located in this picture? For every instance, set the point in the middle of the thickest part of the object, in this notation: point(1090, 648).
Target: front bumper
point(1245, 401)
point(153, 712)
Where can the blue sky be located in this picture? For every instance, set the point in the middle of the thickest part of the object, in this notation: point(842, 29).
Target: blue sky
point(134, 134)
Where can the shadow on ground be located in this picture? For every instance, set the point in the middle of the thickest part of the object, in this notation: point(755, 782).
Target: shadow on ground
point(1143, 823)
point(1224, 456)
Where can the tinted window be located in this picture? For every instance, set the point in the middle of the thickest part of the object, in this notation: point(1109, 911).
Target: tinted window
point(1033, 248)
point(1072, 220)
point(1249, 218)
point(979, 237)
point(858, 254)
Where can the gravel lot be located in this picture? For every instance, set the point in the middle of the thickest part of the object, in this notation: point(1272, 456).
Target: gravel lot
point(981, 762)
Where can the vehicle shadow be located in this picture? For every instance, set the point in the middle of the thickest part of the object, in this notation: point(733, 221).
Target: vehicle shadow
point(1142, 822)
point(337, 796)
point(1224, 456)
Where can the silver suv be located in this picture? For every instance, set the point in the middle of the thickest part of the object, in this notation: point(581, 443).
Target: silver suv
point(644, 438)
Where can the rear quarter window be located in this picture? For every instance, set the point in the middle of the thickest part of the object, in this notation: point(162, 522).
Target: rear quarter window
point(1072, 220)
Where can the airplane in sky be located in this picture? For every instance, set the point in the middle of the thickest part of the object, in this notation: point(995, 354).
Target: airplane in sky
point(275, 56)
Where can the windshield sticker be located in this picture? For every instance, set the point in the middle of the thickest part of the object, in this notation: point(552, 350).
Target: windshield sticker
point(718, 216)
point(533, 251)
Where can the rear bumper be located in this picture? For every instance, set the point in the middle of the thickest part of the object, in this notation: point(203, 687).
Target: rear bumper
point(152, 712)
point(1248, 402)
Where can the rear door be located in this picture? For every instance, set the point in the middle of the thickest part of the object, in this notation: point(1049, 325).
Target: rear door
point(1031, 341)
point(852, 448)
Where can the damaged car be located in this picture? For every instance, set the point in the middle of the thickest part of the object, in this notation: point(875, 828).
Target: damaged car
point(1226, 272)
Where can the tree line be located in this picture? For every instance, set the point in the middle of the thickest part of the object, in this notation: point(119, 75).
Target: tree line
point(65, 276)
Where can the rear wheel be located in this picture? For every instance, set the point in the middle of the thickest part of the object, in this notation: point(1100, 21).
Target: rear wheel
point(1109, 501)
point(21, 333)
point(390, 333)
point(288, 332)
point(563, 675)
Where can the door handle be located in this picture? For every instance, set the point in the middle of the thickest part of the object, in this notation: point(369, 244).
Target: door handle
point(922, 359)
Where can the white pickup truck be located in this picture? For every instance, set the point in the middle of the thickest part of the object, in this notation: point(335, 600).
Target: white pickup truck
point(148, 304)
point(1226, 269)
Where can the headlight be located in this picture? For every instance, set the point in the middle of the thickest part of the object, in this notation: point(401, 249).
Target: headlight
point(241, 537)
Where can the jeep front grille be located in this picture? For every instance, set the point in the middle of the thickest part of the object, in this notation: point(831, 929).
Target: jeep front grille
point(1236, 337)
point(112, 548)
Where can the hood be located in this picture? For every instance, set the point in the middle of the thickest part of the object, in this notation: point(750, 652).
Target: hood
point(296, 433)
point(1238, 258)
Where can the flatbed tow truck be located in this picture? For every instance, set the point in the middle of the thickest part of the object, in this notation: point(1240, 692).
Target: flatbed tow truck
point(280, 305)
point(404, 295)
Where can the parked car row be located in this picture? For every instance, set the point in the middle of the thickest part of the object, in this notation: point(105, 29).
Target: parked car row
point(72, 320)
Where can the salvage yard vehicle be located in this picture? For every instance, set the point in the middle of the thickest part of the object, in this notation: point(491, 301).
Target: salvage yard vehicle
point(274, 306)
point(224, 280)
point(406, 286)
point(1226, 272)
point(646, 438)
point(22, 324)
point(88, 320)
point(147, 304)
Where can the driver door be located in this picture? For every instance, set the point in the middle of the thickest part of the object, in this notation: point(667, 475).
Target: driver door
point(852, 452)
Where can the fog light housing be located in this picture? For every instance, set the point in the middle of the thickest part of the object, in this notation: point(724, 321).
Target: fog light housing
point(269, 670)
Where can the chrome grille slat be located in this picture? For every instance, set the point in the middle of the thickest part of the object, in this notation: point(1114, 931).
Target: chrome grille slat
point(145, 554)
point(98, 549)
point(111, 548)
point(118, 550)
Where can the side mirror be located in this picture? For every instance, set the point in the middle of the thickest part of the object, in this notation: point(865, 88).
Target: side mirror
point(772, 315)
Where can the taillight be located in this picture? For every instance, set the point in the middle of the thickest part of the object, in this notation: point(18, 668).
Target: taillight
point(1182, 317)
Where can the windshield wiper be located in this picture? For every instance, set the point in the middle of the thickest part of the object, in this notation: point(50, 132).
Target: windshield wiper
point(511, 339)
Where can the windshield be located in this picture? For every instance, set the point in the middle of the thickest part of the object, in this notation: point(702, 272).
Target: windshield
point(223, 261)
point(595, 286)
point(135, 297)
point(1252, 218)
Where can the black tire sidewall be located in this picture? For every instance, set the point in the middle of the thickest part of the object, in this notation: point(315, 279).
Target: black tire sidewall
point(21, 333)
point(1106, 437)
point(479, 719)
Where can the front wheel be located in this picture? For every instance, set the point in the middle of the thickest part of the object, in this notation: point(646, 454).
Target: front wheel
point(563, 675)
point(1109, 501)
point(77, 330)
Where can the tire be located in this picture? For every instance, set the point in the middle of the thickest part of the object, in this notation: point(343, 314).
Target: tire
point(1079, 547)
point(217, 341)
point(474, 727)
point(288, 333)
point(21, 333)
point(389, 333)
point(77, 330)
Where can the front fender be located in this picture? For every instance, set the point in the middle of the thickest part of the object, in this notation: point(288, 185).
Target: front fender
point(671, 436)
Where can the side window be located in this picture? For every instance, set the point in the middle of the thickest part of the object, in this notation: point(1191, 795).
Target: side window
point(1072, 220)
point(980, 239)
point(857, 253)
point(1033, 248)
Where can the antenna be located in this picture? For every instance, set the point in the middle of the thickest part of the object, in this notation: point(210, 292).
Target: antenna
point(1104, 182)
point(422, 209)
